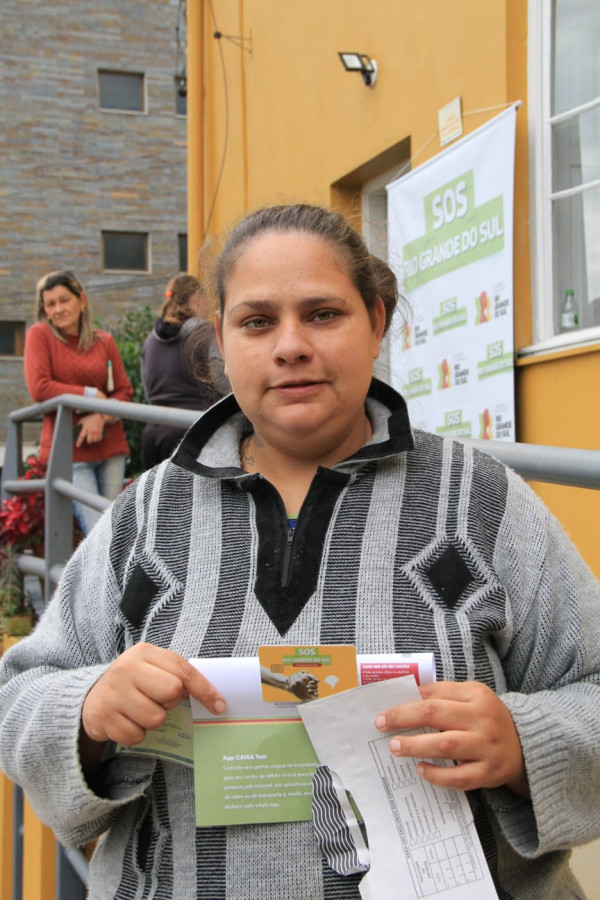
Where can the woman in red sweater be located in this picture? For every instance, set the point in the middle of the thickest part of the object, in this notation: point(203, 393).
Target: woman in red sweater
point(64, 355)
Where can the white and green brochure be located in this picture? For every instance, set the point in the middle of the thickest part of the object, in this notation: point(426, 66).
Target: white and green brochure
point(255, 762)
point(172, 741)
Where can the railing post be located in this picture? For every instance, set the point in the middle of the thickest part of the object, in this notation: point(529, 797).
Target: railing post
point(13, 454)
point(71, 882)
point(17, 886)
point(58, 532)
point(39, 858)
point(6, 836)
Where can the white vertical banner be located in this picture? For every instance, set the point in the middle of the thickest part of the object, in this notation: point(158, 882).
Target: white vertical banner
point(450, 226)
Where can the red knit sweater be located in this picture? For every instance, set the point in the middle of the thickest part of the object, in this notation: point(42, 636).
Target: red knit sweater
point(53, 368)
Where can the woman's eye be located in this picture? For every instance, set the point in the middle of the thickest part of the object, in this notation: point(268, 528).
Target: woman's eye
point(256, 323)
point(323, 315)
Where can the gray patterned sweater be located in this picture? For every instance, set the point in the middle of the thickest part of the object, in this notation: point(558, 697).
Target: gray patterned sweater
point(415, 543)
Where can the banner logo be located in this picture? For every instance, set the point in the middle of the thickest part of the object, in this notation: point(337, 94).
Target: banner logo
point(457, 232)
point(484, 309)
point(454, 426)
point(417, 385)
point(445, 381)
point(451, 316)
point(496, 361)
point(485, 426)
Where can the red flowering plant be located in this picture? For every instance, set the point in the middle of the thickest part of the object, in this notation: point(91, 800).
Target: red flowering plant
point(21, 528)
point(22, 515)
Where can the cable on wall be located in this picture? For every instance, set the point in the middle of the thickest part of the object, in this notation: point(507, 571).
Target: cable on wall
point(226, 135)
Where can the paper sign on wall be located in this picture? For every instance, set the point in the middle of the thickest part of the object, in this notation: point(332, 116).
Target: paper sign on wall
point(450, 122)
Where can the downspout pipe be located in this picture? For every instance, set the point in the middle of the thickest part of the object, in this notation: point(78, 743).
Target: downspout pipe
point(195, 131)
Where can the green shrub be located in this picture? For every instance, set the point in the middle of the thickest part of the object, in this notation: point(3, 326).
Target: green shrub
point(130, 333)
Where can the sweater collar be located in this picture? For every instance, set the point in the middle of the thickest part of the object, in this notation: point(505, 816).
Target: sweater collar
point(211, 446)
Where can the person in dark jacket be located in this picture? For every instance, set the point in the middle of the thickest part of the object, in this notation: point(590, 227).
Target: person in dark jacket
point(181, 363)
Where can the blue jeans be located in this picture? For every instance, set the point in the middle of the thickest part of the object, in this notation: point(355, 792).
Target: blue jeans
point(104, 477)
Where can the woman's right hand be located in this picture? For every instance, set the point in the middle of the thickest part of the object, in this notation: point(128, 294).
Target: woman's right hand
point(92, 429)
point(134, 694)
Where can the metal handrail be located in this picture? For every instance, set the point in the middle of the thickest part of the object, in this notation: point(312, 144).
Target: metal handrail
point(58, 486)
point(555, 465)
point(558, 465)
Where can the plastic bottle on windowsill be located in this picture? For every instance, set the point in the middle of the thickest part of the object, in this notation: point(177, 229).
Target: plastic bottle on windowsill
point(569, 316)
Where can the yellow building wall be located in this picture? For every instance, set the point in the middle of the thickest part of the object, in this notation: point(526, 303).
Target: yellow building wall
point(287, 119)
point(278, 119)
point(557, 404)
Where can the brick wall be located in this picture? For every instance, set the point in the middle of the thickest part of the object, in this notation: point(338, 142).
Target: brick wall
point(69, 170)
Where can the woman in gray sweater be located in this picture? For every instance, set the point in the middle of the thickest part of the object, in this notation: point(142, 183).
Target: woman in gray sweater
point(301, 510)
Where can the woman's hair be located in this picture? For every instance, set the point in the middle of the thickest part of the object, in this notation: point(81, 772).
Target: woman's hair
point(196, 351)
point(180, 289)
point(371, 276)
point(71, 283)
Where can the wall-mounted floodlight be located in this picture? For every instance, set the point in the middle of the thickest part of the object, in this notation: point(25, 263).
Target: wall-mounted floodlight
point(360, 62)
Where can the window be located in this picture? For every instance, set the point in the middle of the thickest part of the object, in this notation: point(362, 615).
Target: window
point(565, 174)
point(183, 252)
point(12, 338)
point(180, 101)
point(125, 250)
point(122, 91)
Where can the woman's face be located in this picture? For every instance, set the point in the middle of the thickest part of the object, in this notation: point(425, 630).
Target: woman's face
point(299, 345)
point(62, 308)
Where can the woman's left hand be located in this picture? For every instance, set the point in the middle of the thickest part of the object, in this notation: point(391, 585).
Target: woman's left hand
point(475, 729)
point(92, 429)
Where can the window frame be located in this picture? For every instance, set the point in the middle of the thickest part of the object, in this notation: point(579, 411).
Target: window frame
point(124, 112)
point(182, 236)
point(180, 100)
point(374, 210)
point(147, 250)
point(374, 199)
point(19, 328)
point(541, 193)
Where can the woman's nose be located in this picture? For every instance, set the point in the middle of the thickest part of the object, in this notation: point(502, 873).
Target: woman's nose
point(291, 342)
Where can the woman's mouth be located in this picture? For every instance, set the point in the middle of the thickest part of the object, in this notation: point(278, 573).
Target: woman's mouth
point(297, 388)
